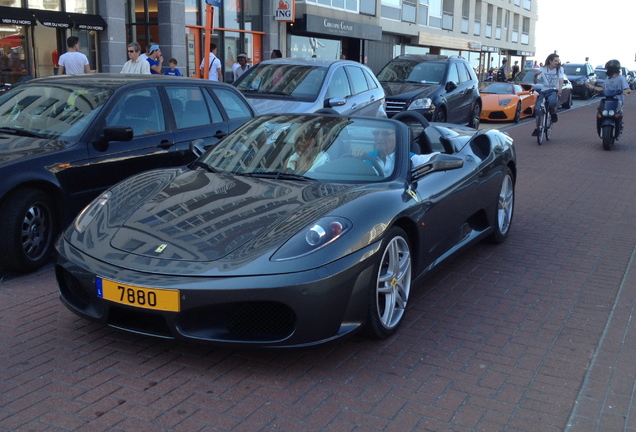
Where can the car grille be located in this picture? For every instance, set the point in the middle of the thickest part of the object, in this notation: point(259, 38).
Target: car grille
point(497, 115)
point(394, 106)
point(245, 321)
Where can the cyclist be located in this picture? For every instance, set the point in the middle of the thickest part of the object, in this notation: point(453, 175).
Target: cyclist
point(551, 77)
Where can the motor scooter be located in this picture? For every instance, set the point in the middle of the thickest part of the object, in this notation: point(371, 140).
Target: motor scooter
point(609, 120)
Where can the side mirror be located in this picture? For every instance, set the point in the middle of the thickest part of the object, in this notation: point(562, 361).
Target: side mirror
point(197, 147)
point(450, 86)
point(118, 134)
point(336, 101)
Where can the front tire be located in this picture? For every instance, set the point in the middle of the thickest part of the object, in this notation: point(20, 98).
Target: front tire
point(607, 132)
point(517, 113)
point(475, 117)
point(30, 224)
point(505, 207)
point(389, 294)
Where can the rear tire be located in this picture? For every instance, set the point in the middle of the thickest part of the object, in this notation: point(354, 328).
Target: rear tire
point(31, 224)
point(607, 132)
point(389, 293)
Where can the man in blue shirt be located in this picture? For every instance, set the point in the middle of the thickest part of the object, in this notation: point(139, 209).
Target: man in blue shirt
point(155, 59)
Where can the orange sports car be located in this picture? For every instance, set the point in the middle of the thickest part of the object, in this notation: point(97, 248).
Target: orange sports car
point(507, 101)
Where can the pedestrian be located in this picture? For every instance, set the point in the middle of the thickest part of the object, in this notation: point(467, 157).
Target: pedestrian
point(276, 54)
point(73, 62)
point(241, 66)
point(536, 65)
point(135, 65)
point(144, 55)
point(155, 59)
point(173, 71)
point(515, 69)
point(215, 73)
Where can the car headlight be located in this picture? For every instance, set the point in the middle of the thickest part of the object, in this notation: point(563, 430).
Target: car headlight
point(88, 214)
point(422, 103)
point(504, 102)
point(313, 238)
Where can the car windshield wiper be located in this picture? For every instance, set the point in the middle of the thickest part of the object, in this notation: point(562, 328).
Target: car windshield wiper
point(277, 175)
point(205, 166)
point(21, 132)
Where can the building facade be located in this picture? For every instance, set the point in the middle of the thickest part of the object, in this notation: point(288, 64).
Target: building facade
point(33, 32)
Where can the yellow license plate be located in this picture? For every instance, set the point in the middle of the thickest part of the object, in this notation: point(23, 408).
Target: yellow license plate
point(148, 298)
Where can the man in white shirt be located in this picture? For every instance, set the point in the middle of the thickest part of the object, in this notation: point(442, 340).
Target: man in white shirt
point(73, 62)
point(215, 65)
point(135, 65)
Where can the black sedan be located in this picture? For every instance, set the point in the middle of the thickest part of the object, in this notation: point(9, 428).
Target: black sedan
point(65, 139)
point(292, 231)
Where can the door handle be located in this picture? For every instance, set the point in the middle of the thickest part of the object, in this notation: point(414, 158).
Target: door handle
point(219, 134)
point(165, 144)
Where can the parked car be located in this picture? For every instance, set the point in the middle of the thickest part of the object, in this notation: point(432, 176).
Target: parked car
point(296, 85)
point(240, 248)
point(441, 88)
point(630, 77)
point(601, 76)
point(507, 101)
point(526, 76)
point(580, 74)
point(65, 139)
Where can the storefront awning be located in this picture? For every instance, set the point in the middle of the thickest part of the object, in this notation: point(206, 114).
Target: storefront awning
point(88, 22)
point(16, 16)
point(53, 18)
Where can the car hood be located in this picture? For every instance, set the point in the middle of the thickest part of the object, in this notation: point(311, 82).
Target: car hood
point(14, 148)
point(274, 106)
point(407, 90)
point(194, 222)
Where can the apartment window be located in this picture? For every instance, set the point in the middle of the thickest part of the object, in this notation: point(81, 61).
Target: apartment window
point(409, 10)
point(499, 14)
point(447, 14)
point(435, 13)
point(422, 15)
point(489, 21)
point(527, 4)
point(515, 28)
point(348, 5)
point(465, 15)
point(477, 22)
point(525, 36)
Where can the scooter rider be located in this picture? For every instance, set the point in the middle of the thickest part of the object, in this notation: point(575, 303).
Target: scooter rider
point(551, 76)
point(615, 85)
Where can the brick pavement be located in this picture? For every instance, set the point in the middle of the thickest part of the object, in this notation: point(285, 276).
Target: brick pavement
point(531, 335)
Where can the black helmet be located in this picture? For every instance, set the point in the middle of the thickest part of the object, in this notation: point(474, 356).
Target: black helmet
point(613, 67)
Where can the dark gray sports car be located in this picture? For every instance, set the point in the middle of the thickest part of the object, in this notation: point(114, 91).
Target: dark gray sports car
point(294, 230)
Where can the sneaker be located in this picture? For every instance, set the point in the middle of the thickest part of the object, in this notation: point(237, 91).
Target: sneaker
point(555, 118)
point(535, 133)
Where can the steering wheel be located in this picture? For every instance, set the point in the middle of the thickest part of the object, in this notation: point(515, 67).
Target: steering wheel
point(364, 156)
point(422, 139)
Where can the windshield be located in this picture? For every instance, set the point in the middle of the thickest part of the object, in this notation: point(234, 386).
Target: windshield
point(498, 88)
point(50, 111)
point(302, 82)
point(304, 147)
point(601, 74)
point(401, 70)
point(571, 69)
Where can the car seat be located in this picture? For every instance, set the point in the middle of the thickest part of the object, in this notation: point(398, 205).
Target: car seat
point(140, 113)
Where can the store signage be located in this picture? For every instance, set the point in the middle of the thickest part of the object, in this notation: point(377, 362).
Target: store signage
point(285, 11)
point(330, 26)
point(14, 21)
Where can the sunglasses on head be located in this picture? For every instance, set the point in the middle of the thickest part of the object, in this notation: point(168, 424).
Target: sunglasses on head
point(382, 133)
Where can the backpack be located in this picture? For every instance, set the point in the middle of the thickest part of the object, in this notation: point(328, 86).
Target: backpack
point(501, 76)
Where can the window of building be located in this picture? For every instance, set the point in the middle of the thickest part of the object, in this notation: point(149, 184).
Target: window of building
point(409, 11)
point(447, 14)
point(477, 22)
point(465, 16)
point(489, 21)
point(142, 22)
point(348, 5)
point(525, 35)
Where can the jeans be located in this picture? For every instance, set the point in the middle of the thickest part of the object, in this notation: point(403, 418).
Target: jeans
point(552, 96)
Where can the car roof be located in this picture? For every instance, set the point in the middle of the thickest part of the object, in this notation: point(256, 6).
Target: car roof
point(308, 61)
point(424, 57)
point(114, 81)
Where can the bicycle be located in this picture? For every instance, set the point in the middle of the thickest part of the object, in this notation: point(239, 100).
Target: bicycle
point(544, 120)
